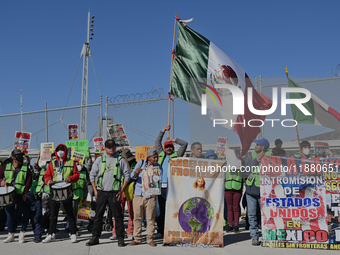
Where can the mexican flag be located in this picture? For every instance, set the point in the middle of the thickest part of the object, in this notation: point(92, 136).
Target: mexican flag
point(199, 67)
point(321, 113)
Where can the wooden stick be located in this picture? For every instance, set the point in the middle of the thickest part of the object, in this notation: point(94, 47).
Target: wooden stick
point(297, 134)
point(127, 162)
point(172, 61)
point(297, 131)
point(22, 123)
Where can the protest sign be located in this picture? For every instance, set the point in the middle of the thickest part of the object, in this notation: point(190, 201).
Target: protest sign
point(195, 203)
point(117, 133)
point(80, 146)
point(78, 156)
point(220, 148)
point(296, 212)
point(98, 143)
point(73, 132)
point(22, 141)
point(151, 181)
point(332, 180)
point(84, 210)
point(141, 152)
point(46, 149)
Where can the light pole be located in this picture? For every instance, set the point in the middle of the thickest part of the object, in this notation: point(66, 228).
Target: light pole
point(85, 53)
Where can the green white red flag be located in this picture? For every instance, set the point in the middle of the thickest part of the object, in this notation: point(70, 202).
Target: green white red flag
point(321, 113)
point(195, 57)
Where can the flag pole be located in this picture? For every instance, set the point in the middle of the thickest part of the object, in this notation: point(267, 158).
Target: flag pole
point(22, 124)
point(172, 61)
point(297, 131)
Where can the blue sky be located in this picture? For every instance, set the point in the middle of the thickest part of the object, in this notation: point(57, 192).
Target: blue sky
point(41, 43)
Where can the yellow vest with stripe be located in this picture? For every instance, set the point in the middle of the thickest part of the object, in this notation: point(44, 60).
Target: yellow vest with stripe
point(20, 180)
point(41, 183)
point(66, 171)
point(116, 181)
point(78, 187)
point(233, 180)
point(256, 174)
point(162, 156)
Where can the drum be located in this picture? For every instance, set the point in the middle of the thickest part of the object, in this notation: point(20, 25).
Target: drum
point(8, 198)
point(61, 191)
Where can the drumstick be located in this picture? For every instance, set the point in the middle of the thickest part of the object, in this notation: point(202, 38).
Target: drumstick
point(6, 184)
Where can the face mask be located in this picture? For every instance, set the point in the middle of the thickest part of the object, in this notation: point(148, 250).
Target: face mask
point(306, 151)
point(61, 154)
point(79, 167)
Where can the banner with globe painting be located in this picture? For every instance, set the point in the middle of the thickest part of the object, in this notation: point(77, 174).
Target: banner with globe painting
point(195, 204)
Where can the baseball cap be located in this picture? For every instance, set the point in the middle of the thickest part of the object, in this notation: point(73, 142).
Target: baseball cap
point(168, 143)
point(151, 152)
point(210, 154)
point(19, 157)
point(109, 143)
point(263, 141)
point(16, 152)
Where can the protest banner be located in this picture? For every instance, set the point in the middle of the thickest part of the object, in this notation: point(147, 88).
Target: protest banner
point(73, 132)
point(84, 210)
point(195, 203)
point(46, 149)
point(80, 146)
point(117, 133)
point(98, 143)
point(22, 141)
point(78, 156)
point(332, 180)
point(151, 181)
point(294, 205)
point(140, 153)
point(220, 148)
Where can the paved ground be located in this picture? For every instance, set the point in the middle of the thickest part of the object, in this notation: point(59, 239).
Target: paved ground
point(235, 244)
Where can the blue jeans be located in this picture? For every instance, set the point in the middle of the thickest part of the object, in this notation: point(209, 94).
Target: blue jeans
point(252, 203)
point(12, 216)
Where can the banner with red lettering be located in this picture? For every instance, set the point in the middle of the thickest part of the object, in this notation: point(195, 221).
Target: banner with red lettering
point(98, 143)
point(22, 141)
point(195, 203)
point(297, 203)
point(73, 132)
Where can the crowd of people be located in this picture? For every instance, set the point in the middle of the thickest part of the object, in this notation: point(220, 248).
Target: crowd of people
point(40, 191)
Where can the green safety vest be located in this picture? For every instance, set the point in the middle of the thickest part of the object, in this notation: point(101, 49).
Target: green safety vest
point(66, 171)
point(161, 157)
point(20, 180)
point(251, 177)
point(41, 183)
point(116, 181)
point(34, 188)
point(78, 187)
point(233, 180)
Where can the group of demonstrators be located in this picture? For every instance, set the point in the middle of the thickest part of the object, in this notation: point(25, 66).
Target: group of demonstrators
point(37, 197)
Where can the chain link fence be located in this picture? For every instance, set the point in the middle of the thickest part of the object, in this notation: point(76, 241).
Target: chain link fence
point(49, 125)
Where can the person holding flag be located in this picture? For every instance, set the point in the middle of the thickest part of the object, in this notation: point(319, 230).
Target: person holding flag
point(164, 155)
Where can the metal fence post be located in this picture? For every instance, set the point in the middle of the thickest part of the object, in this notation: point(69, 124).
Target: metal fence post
point(46, 122)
